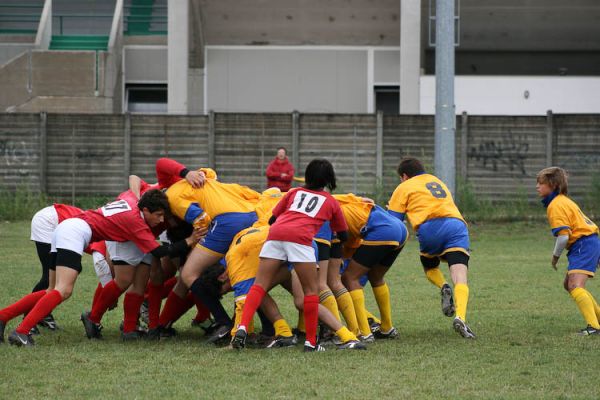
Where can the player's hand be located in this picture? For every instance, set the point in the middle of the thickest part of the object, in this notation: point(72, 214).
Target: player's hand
point(196, 179)
point(367, 200)
point(196, 235)
point(554, 262)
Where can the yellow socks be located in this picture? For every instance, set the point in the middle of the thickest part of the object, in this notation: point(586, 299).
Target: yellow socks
point(346, 307)
point(358, 298)
point(345, 335)
point(596, 307)
point(585, 302)
point(435, 276)
point(382, 296)
point(461, 298)
point(372, 316)
point(326, 298)
point(282, 328)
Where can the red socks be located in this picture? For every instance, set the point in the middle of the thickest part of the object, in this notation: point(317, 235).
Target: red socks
point(154, 302)
point(131, 308)
point(311, 318)
point(168, 286)
point(43, 307)
point(174, 308)
point(110, 294)
point(22, 306)
point(97, 294)
point(253, 299)
point(202, 313)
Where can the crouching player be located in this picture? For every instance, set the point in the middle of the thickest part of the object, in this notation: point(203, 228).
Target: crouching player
point(121, 221)
point(442, 233)
point(577, 233)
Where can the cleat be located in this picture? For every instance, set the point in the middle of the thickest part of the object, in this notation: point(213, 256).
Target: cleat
point(34, 331)
point(2, 327)
point(18, 339)
point(168, 332)
point(352, 345)
point(144, 312)
point(153, 334)
point(299, 334)
point(374, 325)
point(447, 301)
point(589, 331)
point(310, 348)
point(132, 336)
point(220, 334)
point(282, 341)
point(208, 325)
point(370, 338)
point(391, 334)
point(92, 329)
point(462, 328)
point(239, 339)
point(49, 323)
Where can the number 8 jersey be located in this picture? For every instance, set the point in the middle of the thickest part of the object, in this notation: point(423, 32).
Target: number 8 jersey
point(302, 212)
point(423, 197)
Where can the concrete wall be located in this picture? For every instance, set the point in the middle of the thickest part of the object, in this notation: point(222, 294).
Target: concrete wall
point(145, 64)
point(93, 154)
point(518, 95)
point(8, 51)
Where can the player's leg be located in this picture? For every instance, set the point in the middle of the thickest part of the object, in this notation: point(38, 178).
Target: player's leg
point(431, 267)
point(134, 297)
point(585, 301)
point(386, 255)
point(154, 294)
point(458, 263)
point(342, 296)
point(351, 280)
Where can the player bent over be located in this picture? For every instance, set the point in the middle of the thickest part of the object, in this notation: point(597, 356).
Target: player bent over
point(442, 233)
point(121, 221)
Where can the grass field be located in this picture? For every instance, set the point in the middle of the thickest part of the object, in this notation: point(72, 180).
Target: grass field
point(525, 322)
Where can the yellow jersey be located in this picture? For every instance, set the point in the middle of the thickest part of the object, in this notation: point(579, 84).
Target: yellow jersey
point(242, 258)
point(264, 208)
point(423, 197)
point(566, 218)
point(356, 212)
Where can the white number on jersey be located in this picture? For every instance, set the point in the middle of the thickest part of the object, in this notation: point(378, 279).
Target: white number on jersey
point(307, 203)
point(115, 207)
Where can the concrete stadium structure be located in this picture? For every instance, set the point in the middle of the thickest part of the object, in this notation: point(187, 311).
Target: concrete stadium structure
point(339, 56)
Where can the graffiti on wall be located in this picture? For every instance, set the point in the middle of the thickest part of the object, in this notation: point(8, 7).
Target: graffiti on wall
point(508, 152)
point(16, 157)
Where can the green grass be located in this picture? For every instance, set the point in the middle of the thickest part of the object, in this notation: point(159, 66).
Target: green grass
point(525, 322)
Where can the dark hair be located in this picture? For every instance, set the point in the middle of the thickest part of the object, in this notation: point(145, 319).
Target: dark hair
point(410, 166)
point(555, 177)
point(319, 174)
point(154, 200)
point(177, 229)
point(209, 281)
point(282, 148)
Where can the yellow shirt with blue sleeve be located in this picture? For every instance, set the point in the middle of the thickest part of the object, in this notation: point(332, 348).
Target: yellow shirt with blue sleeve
point(566, 218)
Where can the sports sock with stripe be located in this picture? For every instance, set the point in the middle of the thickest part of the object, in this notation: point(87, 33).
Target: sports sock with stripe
point(326, 298)
point(382, 296)
point(346, 307)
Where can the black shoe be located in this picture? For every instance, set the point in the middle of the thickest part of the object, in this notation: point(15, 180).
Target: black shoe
point(220, 334)
point(49, 323)
point(299, 334)
point(391, 334)
point(2, 327)
point(132, 336)
point(92, 329)
point(34, 331)
point(463, 329)
point(310, 348)
point(374, 325)
point(153, 334)
point(282, 341)
point(18, 339)
point(239, 339)
point(589, 331)
point(168, 332)
point(447, 301)
point(352, 345)
point(208, 325)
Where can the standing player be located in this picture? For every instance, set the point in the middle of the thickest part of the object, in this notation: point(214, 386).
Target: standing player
point(441, 230)
point(577, 233)
point(295, 221)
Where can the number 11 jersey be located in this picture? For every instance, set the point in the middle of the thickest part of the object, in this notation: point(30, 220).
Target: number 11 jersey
point(423, 197)
point(302, 212)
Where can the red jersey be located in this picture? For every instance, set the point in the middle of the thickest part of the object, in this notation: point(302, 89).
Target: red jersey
point(65, 211)
point(121, 221)
point(167, 172)
point(301, 213)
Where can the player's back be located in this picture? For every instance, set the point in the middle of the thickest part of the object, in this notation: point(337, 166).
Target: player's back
point(565, 213)
point(356, 212)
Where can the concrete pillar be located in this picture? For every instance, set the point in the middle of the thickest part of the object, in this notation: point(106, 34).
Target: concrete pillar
point(410, 55)
point(177, 62)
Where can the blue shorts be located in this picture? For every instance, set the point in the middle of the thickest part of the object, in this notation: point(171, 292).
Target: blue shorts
point(223, 228)
point(383, 229)
point(442, 235)
point(325, 234)
point(584, 255)
point(242, 288)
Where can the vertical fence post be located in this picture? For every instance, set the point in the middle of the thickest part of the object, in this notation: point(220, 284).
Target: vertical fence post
point(354, 160)
point(549, 138)
point(211, 139)
point(379, 149)
point(296, 141)
point(127, 148)
point(73, 166)
point(464, 137)
point(43, 152)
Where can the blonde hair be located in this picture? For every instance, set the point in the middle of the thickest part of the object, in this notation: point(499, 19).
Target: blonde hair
point(556, 178)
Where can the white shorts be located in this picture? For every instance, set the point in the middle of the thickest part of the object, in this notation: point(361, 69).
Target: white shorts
point(43, 224)
point(288, 251)
point(72, 234)
point(127, 252)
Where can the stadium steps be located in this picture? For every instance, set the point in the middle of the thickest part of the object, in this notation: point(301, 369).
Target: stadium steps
point(79, 42)
point(139, 18)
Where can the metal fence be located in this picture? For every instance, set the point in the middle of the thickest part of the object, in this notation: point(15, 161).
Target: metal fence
point(70, 155)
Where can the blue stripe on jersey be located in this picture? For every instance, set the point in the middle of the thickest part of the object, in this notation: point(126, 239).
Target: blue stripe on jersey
point(398, 215)
point(560, 228)
point(193, 212)
point(243, 287)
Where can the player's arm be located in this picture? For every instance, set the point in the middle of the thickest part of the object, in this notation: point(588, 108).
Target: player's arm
point(167, 169)
point(272, 173)
point(559, 246)
point(175, 249)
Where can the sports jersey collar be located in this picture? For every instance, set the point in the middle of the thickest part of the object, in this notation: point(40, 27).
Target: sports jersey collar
point(548, 199)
